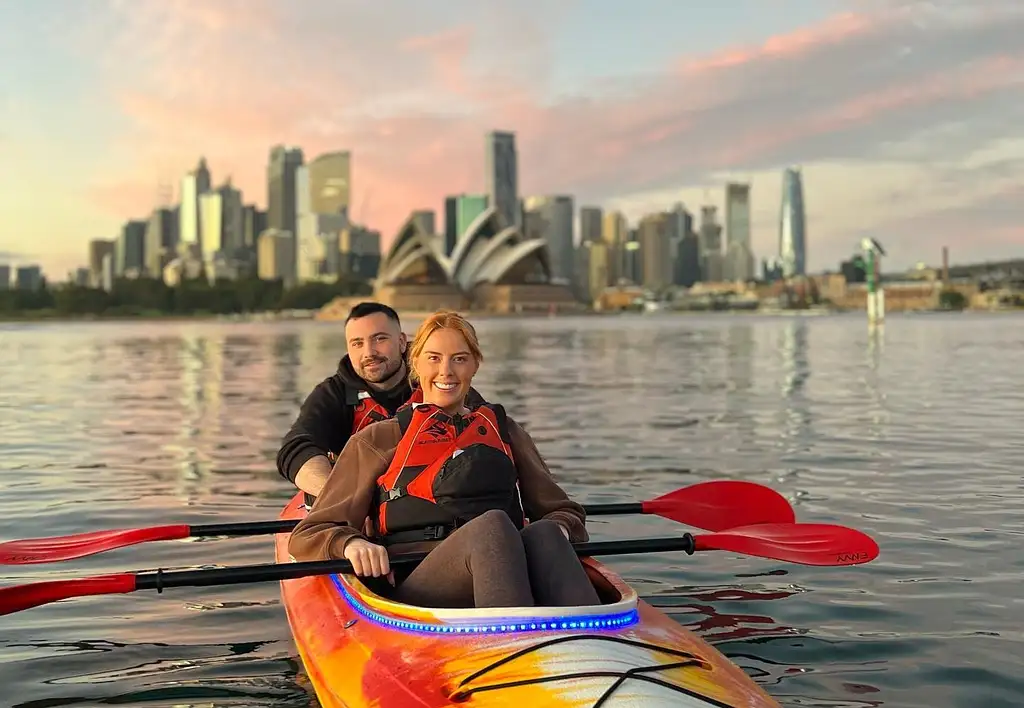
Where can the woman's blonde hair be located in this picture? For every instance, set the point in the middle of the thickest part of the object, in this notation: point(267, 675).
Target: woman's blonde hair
point(442, 319)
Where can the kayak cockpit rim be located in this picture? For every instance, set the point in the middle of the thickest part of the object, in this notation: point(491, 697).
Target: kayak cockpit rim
point(617, 611)
point(496, 620)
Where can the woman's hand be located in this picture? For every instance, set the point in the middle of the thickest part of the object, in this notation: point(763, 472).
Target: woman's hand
point(368, 559)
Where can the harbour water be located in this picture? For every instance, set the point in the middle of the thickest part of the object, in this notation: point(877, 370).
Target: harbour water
point(911, 434)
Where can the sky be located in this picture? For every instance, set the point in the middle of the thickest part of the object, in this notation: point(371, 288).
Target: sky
point(904, 116)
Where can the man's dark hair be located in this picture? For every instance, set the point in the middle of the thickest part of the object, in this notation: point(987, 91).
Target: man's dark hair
point(365, 309)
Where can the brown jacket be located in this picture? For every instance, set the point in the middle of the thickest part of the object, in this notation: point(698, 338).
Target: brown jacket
point(348, 496)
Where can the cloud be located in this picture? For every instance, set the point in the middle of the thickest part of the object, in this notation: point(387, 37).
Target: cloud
point(883, 86)
point(993, 224)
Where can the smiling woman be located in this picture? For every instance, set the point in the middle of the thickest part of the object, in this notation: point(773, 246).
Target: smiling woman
point(460, 483)
point(445, 356)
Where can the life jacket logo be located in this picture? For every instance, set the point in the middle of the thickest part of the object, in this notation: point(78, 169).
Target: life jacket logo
point(437, 432)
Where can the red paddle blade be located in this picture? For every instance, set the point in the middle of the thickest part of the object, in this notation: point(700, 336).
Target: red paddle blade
point(721, 504)
point(23, 597)
point(807, 544)
point(59, 548)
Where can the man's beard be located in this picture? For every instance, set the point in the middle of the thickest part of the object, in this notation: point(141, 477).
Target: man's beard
point(386, 369)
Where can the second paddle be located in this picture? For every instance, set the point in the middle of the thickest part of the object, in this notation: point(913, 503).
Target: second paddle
point(714, 505)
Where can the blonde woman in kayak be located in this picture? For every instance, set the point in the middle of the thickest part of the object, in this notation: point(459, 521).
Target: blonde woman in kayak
point(460, 483)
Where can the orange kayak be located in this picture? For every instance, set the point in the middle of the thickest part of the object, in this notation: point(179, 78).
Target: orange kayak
point(361, 649)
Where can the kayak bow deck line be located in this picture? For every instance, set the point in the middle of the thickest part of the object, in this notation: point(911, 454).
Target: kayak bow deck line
point(362, 649)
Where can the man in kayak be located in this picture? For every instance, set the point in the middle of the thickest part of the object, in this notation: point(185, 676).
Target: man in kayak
point(371, 383)
point(457, 481)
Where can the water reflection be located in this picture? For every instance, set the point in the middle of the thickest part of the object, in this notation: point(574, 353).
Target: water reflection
point(741, 353)
point(738, 378)
point(872, 380)
point(286, 360)
point(194, 395)
point(876, 346)
point(796, 365)
point(504, 350)
point(797, 428)
point(911, 437)
point(693, 608)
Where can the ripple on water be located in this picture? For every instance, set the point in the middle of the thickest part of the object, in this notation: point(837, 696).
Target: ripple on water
point(911, 435)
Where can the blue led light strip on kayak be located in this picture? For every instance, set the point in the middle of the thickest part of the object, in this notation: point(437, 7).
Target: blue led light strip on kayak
point(616, 620)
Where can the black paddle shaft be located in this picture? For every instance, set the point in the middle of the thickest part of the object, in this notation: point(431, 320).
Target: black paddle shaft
point(248, 528)
point(258, 528)
point(610, 509)
point(270, 572)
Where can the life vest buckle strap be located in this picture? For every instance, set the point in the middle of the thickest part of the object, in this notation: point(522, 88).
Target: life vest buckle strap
point(436, 533)
point(392, 494)
point(427, 533)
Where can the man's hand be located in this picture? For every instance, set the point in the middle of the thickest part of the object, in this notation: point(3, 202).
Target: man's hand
point(313, 475)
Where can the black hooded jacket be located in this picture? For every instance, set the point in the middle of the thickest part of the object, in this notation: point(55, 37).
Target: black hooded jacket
point(324, 423)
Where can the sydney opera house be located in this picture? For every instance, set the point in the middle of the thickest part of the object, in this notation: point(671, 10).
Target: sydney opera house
point(491, 267)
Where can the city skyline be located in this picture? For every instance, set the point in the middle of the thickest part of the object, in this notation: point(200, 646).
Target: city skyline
point(900, 114)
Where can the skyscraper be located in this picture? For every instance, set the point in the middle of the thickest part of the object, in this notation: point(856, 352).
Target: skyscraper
point(426, 220)
point(322, 200)
point(554, 222)
point(98, 250)
point(656, 247)
point(590, 224)
point(161, 240)
point(792, 225)
point(685, 249)
point(131, 248)
point(221, 214)
point(254, 223)
point(330, 183)
point(193, 185)
point(281, 209)
point(739, 257)
point(451, 224)
point(615, 233)
point(503, 176)
point(737, 214)
point(710, 244)
point(467, 208)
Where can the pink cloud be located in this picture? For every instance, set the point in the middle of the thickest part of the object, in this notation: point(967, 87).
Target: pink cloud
point(448, 52)
point(413, 109)
point(834, 29)
point(1012, 236)
point(968, 82)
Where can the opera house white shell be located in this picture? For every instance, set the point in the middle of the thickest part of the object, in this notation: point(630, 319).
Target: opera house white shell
point(485, 254)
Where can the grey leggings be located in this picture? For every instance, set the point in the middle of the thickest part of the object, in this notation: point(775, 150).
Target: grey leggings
point(490, 563)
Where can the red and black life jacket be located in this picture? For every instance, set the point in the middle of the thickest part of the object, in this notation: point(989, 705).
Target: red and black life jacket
point(368, 410)
point(446, 471)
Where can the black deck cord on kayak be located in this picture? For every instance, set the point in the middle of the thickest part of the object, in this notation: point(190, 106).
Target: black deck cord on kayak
point(636, 673)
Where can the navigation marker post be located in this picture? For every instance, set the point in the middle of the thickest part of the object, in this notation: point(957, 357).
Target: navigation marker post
point(876, 294)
